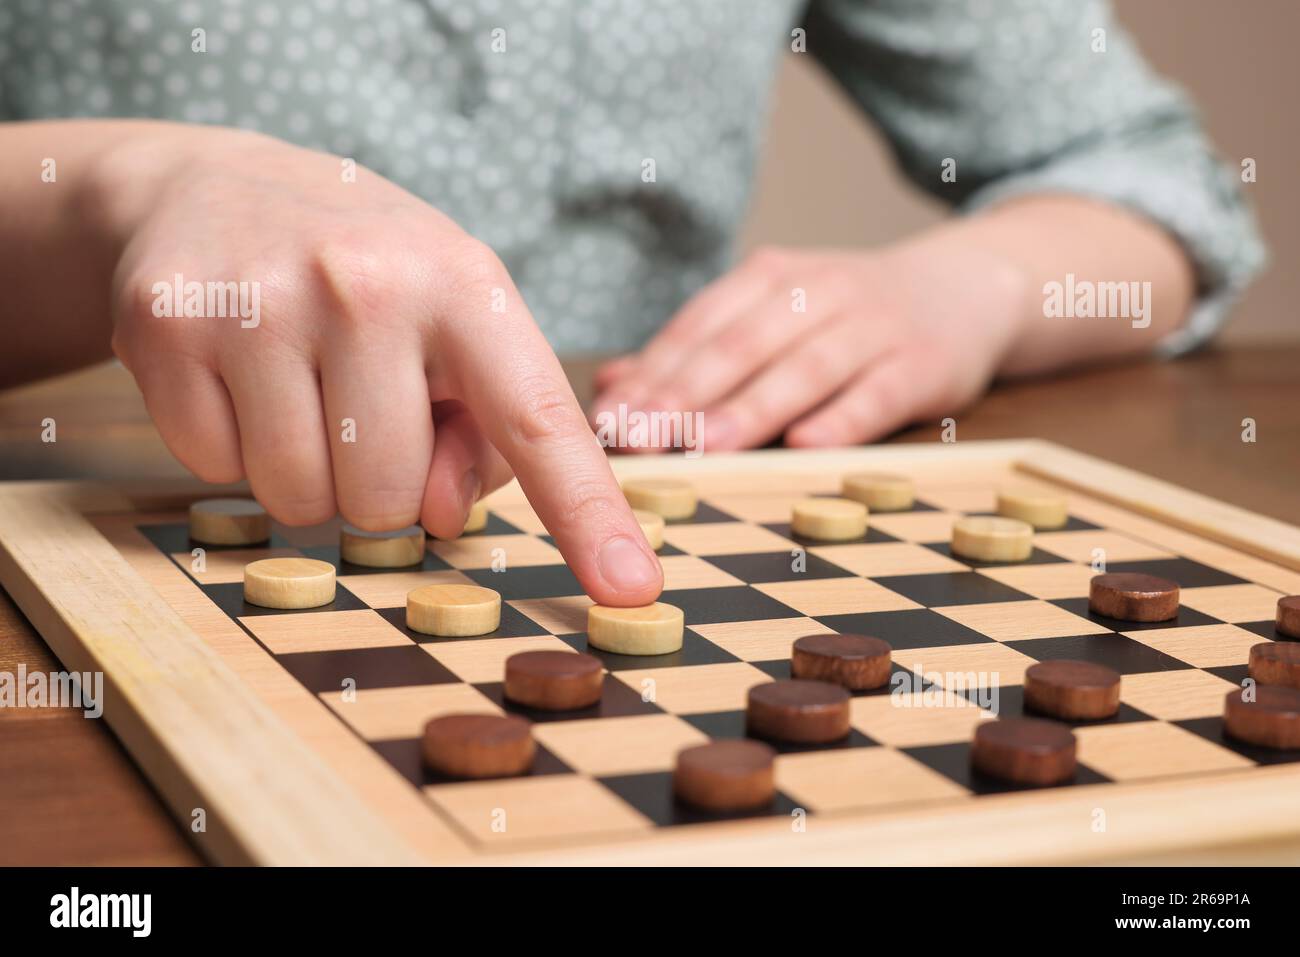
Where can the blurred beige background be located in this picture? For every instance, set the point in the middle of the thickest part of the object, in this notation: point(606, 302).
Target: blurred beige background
point(1235, 57)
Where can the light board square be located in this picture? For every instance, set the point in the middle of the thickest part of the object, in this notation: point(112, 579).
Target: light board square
point(1151, 749)
point(696, 689)
point(335, 631)
point(760, 640)
point(1203, 646)
point(1048, 581)
point(1176, 695)
point(836, 596)
point(1012, 620)
point(482, 660)
point(1247, 602)
point(536, 809)
point(858, 778)
point(917, 718)
point(383, 713)
point(888, 558)
point(389, 589)
point(608, 746)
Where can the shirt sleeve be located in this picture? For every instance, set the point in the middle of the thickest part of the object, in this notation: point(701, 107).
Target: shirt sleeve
point(1021, 96)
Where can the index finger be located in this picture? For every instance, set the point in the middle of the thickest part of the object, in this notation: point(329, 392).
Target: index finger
point(505, 372)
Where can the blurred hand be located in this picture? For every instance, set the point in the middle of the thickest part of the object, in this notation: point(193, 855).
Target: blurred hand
point(827, 347)
point(375, 310)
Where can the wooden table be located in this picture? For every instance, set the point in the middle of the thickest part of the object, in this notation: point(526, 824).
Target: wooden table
point(70, 795)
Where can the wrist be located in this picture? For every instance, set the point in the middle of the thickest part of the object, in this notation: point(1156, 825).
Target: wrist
point(131, 169)
point(986, 284)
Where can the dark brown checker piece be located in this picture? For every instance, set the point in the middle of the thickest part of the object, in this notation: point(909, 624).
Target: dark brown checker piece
point(857, 662)
point(1271, 719)
point(1133, 596)
point(1288, 616)
point(726, 775)
point(1276, 663)
point(1025, 750)
point(806, 712)
point(1072, 690)
point(554, 680)
point(479, 745)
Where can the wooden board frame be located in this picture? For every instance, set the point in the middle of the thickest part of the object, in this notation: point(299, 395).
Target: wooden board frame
point(208, 741)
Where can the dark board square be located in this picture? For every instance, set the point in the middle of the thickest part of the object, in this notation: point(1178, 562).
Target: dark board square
point(1212, 729)
point(775, 567)
point(727, 725)
point(695, 650)
point(229, 597)
point(404, 755)
point(330, 553)
point(1234, 673)
point(527, 581)
point(705, 514)
point(951, 588)
point(1185, 618)
point(780, 671)
point(1036, 557)
point(953, 762)
point(401, 666)
point(913, 628)
point(652, 795)
point(873, 536)
point(709, 606)
point(1266, 629)
point(170, 537)
point(1008, 701)
point(514, 624)
point(1125, 655)
point(1184, 571)
point(617, 700)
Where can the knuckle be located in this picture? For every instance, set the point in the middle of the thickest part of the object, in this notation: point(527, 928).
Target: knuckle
point(361, 285)
point(472, 271)
point(546, 414)
point(588, 504)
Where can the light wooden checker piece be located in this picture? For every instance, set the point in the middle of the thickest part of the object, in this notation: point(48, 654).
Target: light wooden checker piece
point(229, 521)
point(289, 583)
point(453, 611)
point(614, 803)
point(395, 549)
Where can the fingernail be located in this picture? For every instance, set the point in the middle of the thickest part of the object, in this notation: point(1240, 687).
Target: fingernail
point(470, 486)
point(625, 566)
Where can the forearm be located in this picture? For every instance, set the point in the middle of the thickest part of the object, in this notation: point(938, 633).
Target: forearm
point(55, 266)
point(1042, 240)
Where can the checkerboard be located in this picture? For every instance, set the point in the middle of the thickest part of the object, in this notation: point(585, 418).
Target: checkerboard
point(963, 633)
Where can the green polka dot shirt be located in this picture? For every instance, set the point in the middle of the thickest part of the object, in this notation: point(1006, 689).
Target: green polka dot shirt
point(533, 122)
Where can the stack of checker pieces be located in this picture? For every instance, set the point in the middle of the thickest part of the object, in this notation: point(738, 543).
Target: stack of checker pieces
point(729, 568)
